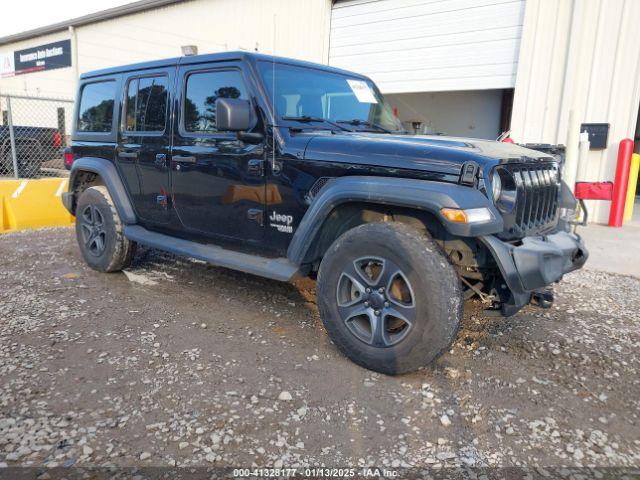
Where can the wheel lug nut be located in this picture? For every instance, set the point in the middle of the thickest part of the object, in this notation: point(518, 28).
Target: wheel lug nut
point(368, 290)
point(386, 304)
point(377, 312)
point(381, 290)
point(366, 304)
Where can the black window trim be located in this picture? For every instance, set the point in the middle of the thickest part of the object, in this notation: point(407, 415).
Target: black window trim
point(125, 96)
point(224, 135)
point(110, 136)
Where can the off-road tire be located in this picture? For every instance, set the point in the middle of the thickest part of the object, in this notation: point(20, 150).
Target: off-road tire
point(118, 251)
point(435, 285)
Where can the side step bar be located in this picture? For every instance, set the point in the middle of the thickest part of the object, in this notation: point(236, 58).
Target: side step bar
point(275, 268)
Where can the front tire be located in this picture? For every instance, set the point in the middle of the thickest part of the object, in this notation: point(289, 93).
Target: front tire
point(100, 232)
point(388, 297)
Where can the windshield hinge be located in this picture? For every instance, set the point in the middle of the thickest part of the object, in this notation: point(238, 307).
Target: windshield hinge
point(469, 173)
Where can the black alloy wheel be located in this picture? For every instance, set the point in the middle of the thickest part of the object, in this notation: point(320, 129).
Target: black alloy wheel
point(93, 231)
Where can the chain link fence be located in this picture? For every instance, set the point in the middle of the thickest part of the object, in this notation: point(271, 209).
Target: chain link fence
point(33, 133)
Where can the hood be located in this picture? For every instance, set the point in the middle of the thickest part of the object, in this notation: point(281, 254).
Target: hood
point(415, 152)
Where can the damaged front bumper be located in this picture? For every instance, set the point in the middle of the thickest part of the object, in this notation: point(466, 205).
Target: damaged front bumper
point(534, 263)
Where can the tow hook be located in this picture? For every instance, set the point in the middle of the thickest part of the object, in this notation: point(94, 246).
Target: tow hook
point(542, 298)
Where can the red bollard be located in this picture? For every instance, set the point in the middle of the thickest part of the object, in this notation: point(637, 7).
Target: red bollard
point(616, 213)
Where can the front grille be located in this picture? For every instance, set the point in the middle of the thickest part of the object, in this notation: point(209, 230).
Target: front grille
point(537, 192)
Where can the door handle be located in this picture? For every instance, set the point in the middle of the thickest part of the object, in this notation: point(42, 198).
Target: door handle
point(184, 158)
point(128, 154)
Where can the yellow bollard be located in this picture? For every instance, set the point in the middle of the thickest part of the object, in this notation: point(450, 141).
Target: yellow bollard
point(631, 188)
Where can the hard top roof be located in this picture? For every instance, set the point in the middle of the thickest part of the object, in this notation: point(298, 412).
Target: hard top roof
point(211, 57)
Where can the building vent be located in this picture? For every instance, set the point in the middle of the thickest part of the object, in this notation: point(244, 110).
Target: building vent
point(189, 50)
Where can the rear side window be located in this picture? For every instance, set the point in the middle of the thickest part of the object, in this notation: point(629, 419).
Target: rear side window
point(201, 93)
point(96, 107)
point(146, 104)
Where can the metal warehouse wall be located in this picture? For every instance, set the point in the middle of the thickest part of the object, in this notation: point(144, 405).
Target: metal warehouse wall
point(467, 113)
point(302, 31)
point(583, 56)
point(427, 45)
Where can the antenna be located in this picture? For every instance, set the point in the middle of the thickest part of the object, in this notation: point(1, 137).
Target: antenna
point(273, 100)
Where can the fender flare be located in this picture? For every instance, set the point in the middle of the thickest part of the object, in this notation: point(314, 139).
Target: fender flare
point(111, 178)
point(423, 195)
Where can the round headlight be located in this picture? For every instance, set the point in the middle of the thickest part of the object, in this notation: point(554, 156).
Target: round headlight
point(496, 185)
point(503, 189)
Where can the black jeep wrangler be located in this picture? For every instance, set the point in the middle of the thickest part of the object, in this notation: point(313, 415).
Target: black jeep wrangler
point(283, 168)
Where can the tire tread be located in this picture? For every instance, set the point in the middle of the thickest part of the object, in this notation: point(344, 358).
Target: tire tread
point(447, 310)
point(124, 249)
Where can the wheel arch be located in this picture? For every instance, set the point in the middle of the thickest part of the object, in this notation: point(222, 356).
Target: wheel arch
point(88, 171)
point(349, 215)
point(346, 202)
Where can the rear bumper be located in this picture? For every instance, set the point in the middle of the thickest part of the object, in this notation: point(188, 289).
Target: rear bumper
point(536, 262)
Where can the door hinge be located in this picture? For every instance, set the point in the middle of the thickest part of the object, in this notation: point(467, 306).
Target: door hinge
point(163, 201)
point(161, 161)
point(255, 167)
point(255, 214)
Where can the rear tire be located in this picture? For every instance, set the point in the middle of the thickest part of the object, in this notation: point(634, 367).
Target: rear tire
point(388, 297)
point(100, 233)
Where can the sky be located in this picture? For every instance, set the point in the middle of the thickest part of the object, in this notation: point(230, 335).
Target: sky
point(21, 15)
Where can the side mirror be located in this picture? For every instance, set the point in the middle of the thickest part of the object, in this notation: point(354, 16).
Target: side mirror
point(232, 114)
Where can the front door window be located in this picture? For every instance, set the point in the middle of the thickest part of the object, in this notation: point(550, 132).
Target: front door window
point(203, 89)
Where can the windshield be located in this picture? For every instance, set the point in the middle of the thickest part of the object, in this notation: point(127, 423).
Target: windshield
point(318, 94)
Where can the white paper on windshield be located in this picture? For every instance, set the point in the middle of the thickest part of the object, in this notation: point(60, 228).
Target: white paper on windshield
point(362, 91)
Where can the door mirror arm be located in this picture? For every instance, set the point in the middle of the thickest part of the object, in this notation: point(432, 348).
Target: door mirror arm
point(250, 137)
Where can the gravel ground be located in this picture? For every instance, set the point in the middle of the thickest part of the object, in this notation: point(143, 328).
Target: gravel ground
point(179, 363)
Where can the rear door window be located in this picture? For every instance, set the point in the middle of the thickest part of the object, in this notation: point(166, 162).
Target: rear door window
point(146, 104)
point(95, 113)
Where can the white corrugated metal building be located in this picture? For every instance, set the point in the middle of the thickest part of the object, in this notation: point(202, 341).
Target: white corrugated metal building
point(478, 67)
point(462, 67)
point(447, 65)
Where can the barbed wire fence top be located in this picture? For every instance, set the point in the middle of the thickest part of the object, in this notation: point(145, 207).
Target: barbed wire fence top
point(33, 133)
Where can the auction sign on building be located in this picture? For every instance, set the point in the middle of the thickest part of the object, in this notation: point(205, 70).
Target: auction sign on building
point(6, 64)
point(43, 57)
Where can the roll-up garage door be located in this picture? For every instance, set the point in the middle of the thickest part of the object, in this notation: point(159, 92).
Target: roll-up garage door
point(429, 45)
